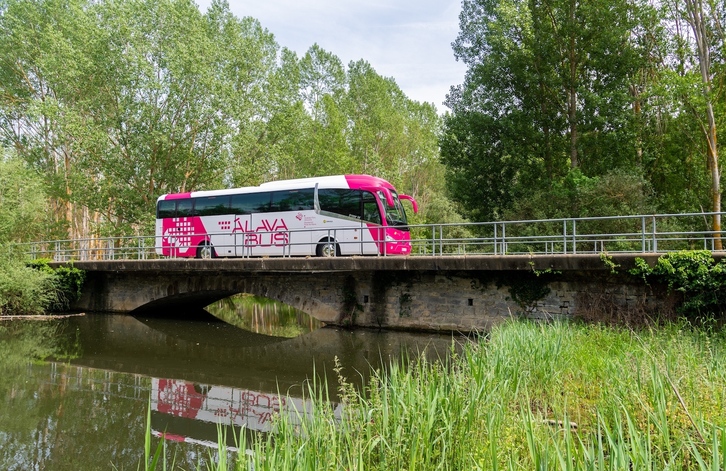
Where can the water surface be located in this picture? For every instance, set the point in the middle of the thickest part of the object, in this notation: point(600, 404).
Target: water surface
point(86, 407)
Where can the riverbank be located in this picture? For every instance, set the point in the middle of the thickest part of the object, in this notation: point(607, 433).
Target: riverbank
point(527, 396)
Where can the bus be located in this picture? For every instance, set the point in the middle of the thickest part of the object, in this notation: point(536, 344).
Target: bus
point(321, 216)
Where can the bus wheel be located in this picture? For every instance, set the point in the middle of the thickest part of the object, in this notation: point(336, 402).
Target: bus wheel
point(327, 248)
point(205, 250)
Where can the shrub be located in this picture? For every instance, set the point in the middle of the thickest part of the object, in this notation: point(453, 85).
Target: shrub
point(694, 273)
point(23, 290)
point(67, 281)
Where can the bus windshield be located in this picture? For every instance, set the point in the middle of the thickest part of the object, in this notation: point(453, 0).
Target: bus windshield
point(395, 216)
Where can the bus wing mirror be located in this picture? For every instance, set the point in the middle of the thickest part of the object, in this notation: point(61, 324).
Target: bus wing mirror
point(413, 202)
point(386, 193)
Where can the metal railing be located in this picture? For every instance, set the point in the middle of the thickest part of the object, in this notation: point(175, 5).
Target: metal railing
point(624, 234)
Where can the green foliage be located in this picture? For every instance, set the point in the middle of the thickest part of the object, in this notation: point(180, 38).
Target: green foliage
point(23, 205)
point(24, 290)
point(67, 281)
point(264, 316)
point(34, 288)
point(696, 275)
point(616, 193)
point(610, 92)
point(116, 102)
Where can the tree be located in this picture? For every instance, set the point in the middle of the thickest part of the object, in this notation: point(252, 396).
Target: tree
point(117, 102)
point(44, 66)
point(548, 83)
point(23, 203)
point(699, 14)
point(159, 105)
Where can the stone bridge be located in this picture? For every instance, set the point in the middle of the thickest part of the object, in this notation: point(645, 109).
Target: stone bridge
point(463, 293)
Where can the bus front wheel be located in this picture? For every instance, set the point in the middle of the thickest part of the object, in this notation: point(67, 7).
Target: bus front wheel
point(205, 251)
point(327, 248)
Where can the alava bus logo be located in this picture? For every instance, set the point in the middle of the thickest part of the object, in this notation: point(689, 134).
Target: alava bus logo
point(178, 232)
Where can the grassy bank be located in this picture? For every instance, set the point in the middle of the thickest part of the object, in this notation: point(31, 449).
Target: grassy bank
point(530, 396)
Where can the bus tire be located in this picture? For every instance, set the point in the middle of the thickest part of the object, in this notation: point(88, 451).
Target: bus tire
point(206, 251)
point(327, 248)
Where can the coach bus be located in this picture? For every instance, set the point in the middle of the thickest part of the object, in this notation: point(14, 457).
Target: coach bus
point(322, 216)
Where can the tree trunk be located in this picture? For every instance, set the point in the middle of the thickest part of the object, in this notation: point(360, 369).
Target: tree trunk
point(696, 20)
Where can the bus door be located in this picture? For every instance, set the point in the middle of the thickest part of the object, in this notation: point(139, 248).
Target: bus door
point(372, 219)
point(291, 222)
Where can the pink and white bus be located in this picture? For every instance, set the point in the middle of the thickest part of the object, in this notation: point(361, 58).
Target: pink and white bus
point(322, 216)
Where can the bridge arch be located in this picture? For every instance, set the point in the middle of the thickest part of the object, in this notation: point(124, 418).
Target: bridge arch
point(316, 295)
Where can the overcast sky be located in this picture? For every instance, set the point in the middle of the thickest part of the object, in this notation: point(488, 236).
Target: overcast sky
point(409, 40)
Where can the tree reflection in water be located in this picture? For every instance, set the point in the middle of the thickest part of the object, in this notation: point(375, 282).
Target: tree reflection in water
point(264, 316)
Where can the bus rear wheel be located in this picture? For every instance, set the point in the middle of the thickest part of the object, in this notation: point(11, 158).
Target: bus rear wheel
point(205, 251)
point(327, 248)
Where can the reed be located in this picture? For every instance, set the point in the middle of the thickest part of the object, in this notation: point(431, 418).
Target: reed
point(528, 396)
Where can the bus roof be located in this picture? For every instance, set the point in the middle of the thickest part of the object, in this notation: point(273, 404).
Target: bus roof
point(332, 181)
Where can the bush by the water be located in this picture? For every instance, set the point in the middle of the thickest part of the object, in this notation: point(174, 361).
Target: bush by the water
point(35, 288)
point(68, 282)
point(24, 290)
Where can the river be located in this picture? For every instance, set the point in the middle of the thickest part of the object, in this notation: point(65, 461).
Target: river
point(86, 405)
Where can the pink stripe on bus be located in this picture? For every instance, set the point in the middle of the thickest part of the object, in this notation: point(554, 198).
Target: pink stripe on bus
point(178, 196)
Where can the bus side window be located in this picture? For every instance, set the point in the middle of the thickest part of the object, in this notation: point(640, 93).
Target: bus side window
point(292, 200)
point(166, 209)
point(370, 208)
point(184, 208)
point(249, 203)
point(343, 202)
point(211, 206)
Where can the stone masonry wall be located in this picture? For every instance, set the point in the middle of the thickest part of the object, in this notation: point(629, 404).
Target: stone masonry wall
point(419, 300)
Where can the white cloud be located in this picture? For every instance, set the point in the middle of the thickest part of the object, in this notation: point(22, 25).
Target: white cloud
point(409, 40)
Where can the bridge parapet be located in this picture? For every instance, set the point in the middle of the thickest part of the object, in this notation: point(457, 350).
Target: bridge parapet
point(613, 234)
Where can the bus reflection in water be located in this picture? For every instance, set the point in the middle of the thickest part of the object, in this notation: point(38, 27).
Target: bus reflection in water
point(188, 402)
point(322, 216)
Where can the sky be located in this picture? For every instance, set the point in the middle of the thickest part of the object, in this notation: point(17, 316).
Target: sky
point(408, 40)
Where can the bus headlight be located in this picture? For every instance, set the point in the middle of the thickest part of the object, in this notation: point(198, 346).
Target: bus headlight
point(390, 239)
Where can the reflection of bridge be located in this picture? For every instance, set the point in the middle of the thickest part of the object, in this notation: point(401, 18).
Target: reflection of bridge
point(201, 373)
point(444, 292)
point(217, 353)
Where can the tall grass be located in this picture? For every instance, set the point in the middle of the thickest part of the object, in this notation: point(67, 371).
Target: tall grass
point(529, 396)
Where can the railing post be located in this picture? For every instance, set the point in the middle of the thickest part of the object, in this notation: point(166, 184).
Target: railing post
point(642, 234)
point(655, 239)
point(574, 236)
point(564, 236)
point(504, 239)
point(495, 238)
point(441, 240)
